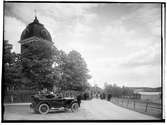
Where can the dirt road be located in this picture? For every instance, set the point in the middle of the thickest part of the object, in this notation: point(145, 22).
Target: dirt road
point(95, 109)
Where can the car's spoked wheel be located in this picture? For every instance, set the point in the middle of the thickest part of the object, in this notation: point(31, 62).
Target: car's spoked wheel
point(74, 107)
point(43, 109)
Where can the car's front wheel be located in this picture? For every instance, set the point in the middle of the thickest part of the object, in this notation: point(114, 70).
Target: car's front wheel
point(43, 108)
point(74, 107)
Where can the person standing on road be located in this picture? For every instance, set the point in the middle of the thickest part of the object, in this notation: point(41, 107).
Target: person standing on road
point(79, 99)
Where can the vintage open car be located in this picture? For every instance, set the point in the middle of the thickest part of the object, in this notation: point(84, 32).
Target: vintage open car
point(43, 103)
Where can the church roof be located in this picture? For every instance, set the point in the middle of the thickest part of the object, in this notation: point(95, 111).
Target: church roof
point(36, 29)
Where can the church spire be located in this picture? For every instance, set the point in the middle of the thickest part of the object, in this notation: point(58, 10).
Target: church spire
point(36, 20)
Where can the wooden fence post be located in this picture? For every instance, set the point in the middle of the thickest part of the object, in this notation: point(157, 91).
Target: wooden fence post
point(128, 102)
point(146, 107)
point(134, 104)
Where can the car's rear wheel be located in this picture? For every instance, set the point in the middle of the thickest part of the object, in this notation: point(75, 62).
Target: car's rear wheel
point(74, 107)
point(43, 108)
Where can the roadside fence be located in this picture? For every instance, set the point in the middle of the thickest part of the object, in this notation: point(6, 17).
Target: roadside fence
point(142, 106)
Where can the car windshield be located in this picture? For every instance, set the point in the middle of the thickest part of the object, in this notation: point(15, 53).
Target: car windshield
point(53, 96)
point(50, 96)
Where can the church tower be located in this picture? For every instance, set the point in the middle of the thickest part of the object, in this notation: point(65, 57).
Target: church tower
point(37, 52)
point(35, 33)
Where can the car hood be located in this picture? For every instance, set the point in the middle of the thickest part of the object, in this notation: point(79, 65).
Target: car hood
point(69, 98)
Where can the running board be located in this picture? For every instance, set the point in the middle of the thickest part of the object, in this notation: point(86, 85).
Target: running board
point(61, 108)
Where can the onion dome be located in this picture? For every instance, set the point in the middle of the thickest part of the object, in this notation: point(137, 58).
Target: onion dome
point(36, 29)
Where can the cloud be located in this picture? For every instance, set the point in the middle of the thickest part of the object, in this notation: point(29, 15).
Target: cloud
point(120, 42)
point(58, 11)
point(127, 57)
point(60, 19)
point(13, 31)
point(146, 20)
point(149, 56)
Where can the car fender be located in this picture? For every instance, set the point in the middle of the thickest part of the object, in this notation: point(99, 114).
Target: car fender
point(73, 102)
point(42, 102)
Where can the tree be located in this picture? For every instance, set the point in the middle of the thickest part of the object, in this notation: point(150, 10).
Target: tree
point(108, 88)
point(44, 66)
point(127, 91)
point(117, 91)
point(12, 67)
point(75, 72)
point(38, 65)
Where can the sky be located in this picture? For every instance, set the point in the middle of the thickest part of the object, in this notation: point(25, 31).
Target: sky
point(121, 43)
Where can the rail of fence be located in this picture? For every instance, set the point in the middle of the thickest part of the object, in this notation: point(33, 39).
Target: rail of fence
point(146, 107)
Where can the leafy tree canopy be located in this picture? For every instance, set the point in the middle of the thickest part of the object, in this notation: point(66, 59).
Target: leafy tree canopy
point(12, 67)
point(44, 66)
